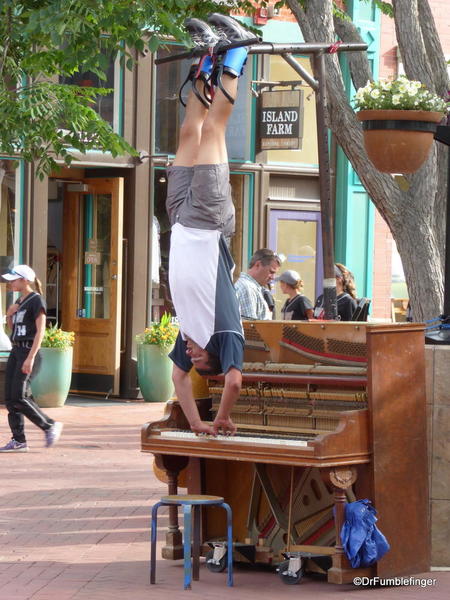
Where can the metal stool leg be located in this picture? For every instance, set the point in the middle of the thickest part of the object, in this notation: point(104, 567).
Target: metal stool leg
point(196, 544)
point(229, 543)
point(153, 534)
point(187, 510)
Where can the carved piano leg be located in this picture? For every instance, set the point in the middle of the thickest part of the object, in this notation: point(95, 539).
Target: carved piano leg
point(341, 478)
point(341, 571)
point(173, 550)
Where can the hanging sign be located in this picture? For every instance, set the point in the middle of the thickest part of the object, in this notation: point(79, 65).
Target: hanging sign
point(281, 120)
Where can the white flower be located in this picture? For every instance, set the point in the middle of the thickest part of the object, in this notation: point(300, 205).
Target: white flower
point(399, 93)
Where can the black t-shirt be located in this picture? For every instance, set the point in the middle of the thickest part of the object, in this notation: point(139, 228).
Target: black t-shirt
point(346, 306)
point(228, 346)
point(24, 319)
point(295, 308)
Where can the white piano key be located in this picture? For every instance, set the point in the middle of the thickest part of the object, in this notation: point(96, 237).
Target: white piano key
point(237, 439)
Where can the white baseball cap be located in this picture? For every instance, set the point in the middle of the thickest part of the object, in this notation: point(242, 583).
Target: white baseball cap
point(20, 272)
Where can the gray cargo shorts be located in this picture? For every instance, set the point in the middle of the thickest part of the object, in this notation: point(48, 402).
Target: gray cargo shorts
point(200, 197)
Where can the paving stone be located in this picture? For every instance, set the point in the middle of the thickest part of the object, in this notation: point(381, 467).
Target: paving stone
point(74, 521)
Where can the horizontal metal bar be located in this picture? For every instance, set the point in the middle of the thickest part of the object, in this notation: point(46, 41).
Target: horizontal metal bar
point(302, 48)
point(268, 48)
point(264, 83)
point(220, 48)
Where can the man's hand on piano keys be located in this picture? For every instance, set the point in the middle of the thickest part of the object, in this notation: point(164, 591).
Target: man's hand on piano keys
point(224, 426)
point(202, 427)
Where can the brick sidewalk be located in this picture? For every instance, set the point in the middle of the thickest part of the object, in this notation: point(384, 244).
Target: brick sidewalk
point(74, 521)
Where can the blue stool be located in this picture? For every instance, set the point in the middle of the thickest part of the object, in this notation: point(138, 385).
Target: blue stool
point(189, 502)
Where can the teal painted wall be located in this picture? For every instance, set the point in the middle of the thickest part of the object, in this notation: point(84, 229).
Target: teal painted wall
point(354, 222)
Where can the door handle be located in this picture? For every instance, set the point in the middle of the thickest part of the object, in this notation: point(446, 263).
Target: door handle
point(113, 276)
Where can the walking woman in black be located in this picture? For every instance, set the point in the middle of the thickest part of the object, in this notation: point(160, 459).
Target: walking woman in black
point(26, 320)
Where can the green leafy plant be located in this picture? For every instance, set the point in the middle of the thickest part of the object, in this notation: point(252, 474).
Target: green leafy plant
point(54, 337)
point(398, 94)
point(162, 333)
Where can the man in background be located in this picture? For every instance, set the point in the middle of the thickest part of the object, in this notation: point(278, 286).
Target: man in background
point(251, 286)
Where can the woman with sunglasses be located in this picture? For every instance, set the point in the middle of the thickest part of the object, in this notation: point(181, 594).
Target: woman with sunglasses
point(26, 320)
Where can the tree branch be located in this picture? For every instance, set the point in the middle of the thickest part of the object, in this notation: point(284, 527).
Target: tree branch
point(410, 41)
point(358, 62)
point(6, 41)
point(433, 48)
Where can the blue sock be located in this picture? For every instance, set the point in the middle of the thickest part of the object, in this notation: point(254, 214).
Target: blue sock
point(206, 66)
point(234, 61)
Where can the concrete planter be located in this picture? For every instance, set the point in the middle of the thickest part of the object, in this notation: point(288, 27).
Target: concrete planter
point(154, 372)
point(51, 385)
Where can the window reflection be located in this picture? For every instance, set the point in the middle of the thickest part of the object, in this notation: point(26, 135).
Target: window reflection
point(104, 105)
point(9, 226)
point(95, 258)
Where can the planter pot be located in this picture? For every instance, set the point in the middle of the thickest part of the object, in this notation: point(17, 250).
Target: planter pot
point(154, 372)
point(51, 385)
point(398, 141)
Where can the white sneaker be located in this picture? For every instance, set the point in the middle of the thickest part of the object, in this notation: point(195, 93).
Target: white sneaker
point(53, 434)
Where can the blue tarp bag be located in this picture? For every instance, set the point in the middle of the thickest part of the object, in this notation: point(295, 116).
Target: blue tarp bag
point(363, 542)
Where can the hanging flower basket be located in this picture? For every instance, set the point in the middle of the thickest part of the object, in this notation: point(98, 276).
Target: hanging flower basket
point(398, 141)
point(399, 119)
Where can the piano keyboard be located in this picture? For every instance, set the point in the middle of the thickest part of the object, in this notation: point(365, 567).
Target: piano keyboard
point(235, 439)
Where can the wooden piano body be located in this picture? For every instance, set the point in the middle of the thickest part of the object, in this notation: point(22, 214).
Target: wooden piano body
point(348, 402)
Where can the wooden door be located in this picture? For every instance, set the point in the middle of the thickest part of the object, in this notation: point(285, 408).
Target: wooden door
point(91, 283)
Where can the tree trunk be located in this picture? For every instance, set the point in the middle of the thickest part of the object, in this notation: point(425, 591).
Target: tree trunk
point(414, 212)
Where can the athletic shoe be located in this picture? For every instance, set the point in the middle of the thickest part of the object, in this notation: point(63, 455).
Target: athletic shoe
point(13, 446)
point(53, 434)
point(232, 29)
point(201, 33)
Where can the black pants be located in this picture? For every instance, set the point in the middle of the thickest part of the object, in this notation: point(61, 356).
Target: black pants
point(18, 402)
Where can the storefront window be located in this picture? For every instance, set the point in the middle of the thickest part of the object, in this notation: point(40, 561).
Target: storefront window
point(296, 234)
point(9, 226)
point(104, 105)
point(169, 111)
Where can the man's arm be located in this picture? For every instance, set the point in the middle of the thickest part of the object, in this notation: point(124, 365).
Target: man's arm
point(231, 390)
point(183, 389)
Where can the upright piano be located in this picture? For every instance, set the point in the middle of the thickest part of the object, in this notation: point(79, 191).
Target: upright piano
point(329, 412)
